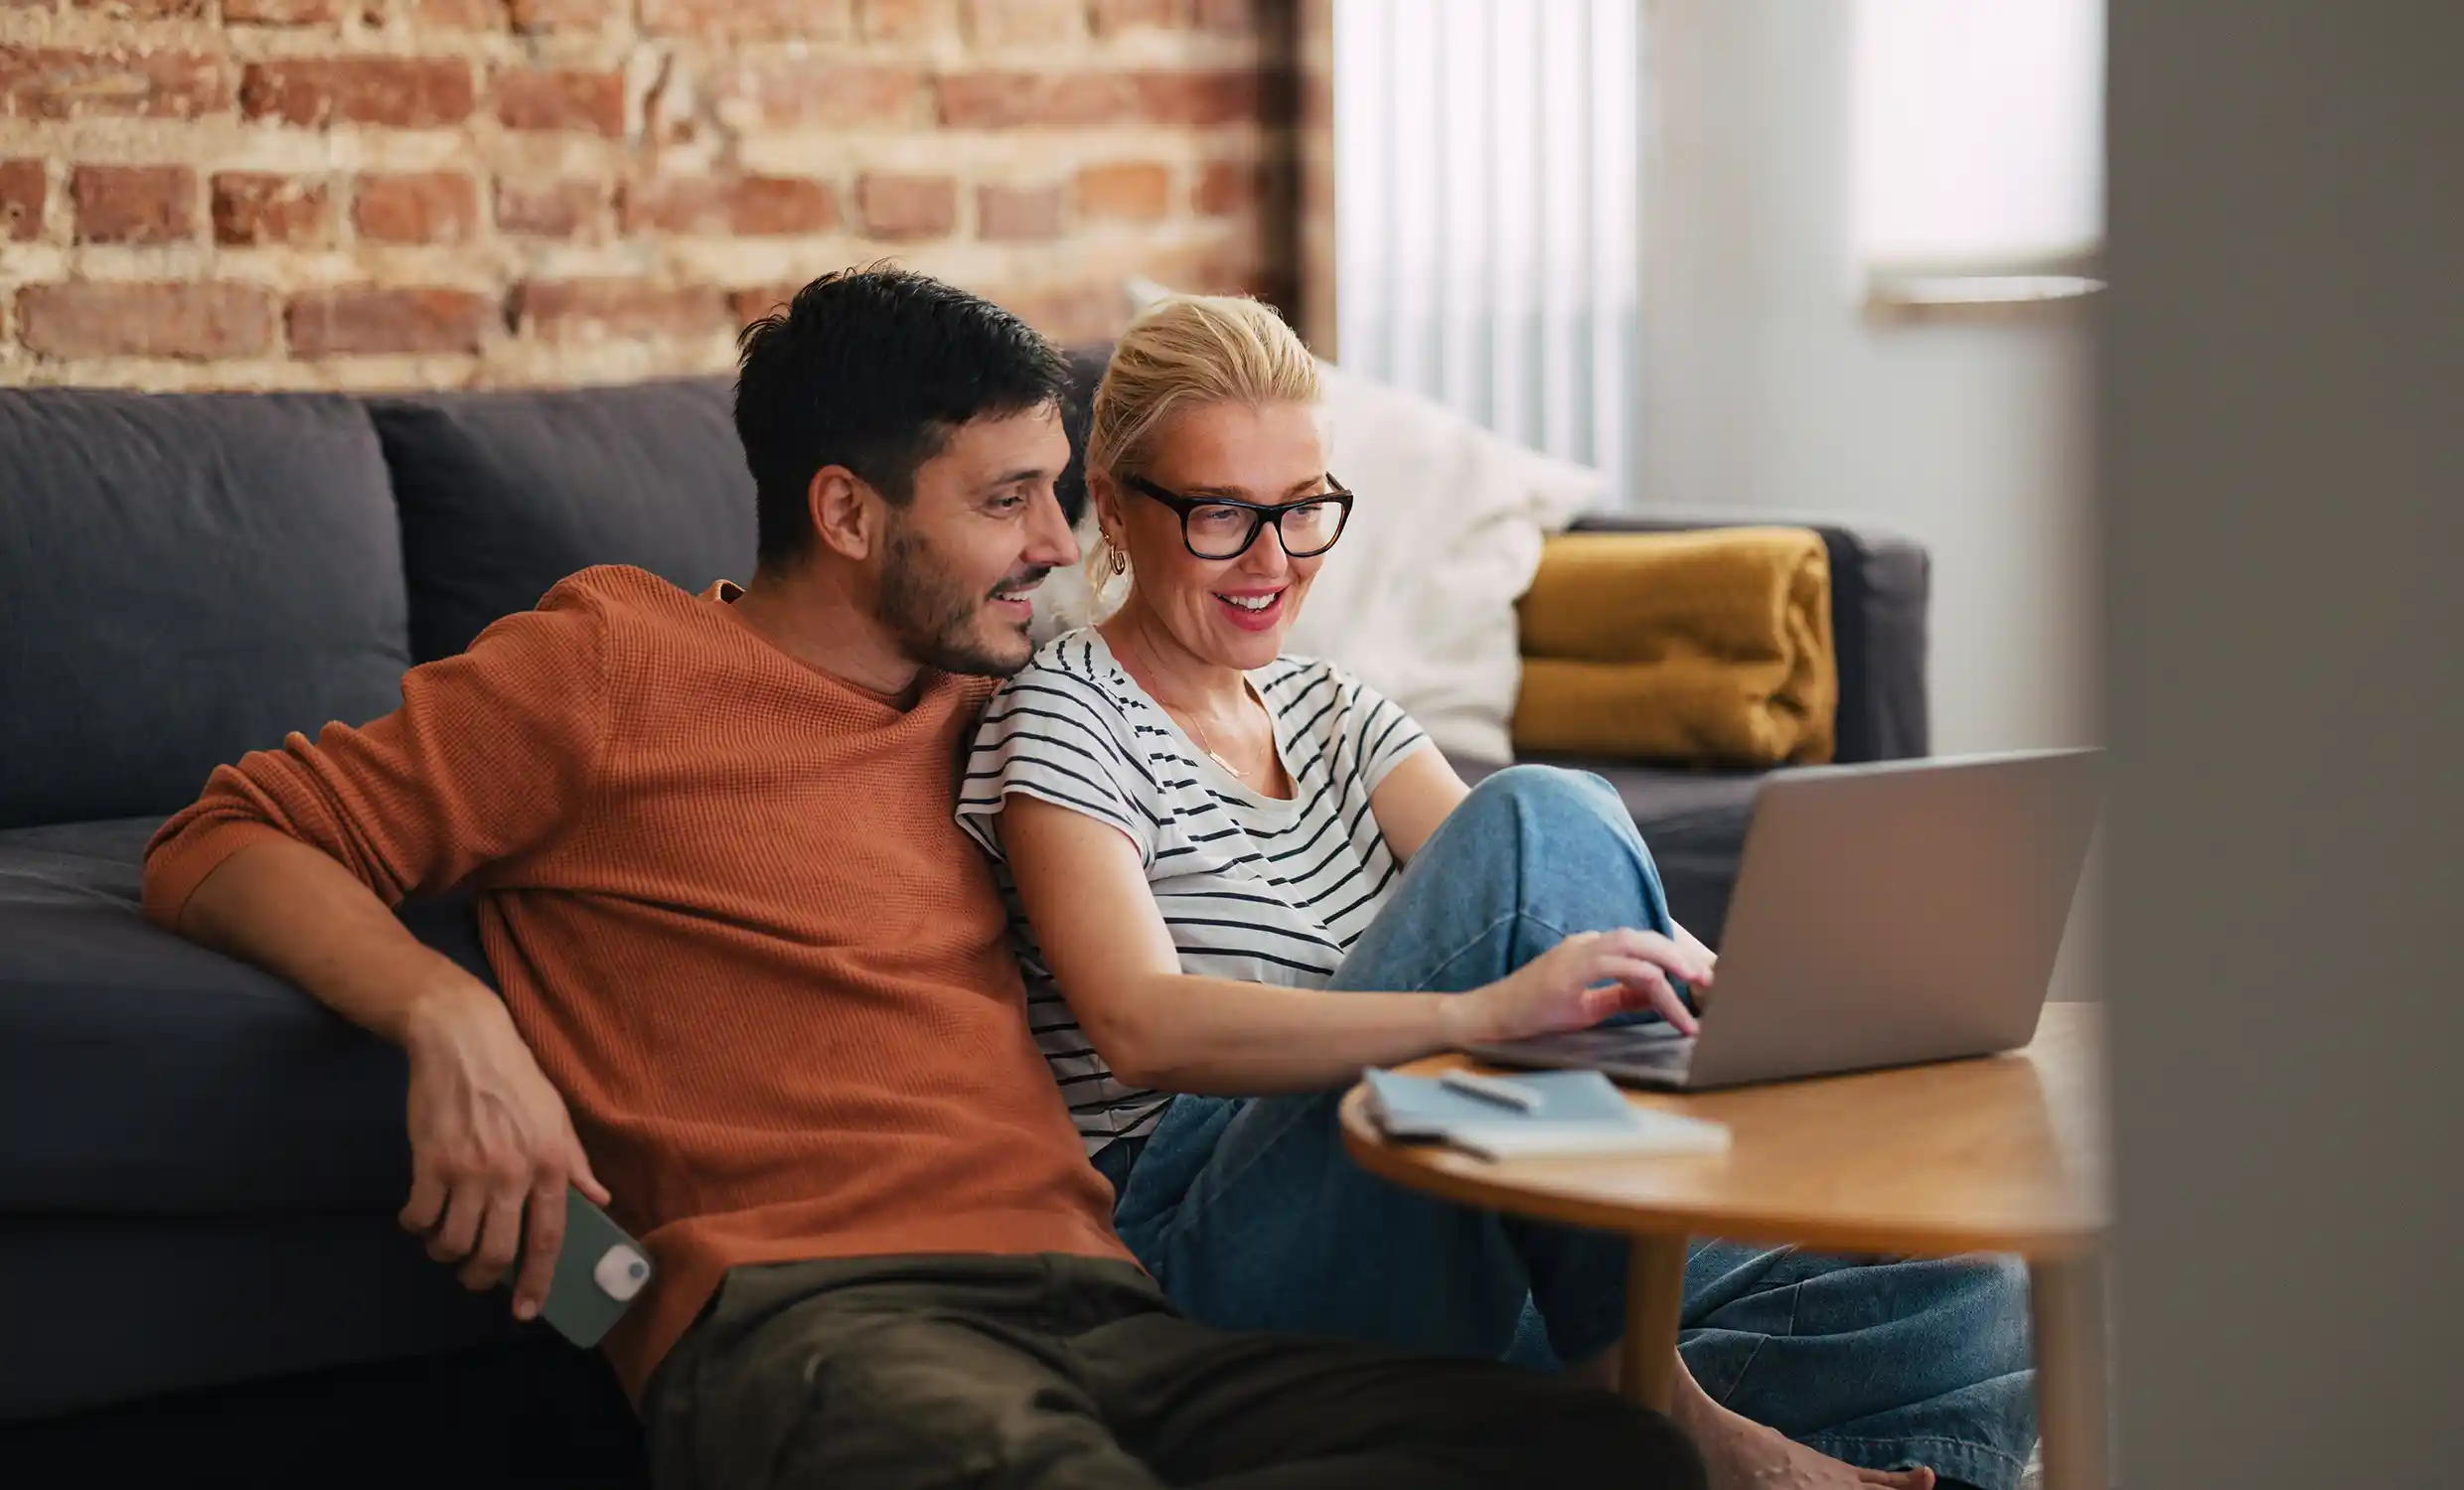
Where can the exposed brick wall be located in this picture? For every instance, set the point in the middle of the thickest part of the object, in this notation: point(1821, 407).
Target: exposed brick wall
point(421, 192)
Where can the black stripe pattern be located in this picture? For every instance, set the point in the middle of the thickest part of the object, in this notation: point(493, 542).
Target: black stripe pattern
point(1250, 888)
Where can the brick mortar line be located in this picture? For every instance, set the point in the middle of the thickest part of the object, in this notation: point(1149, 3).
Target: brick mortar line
point(228, 142)
point(94, 32)
point(227, 127)
point(241, 46)
point(681, 262)
point(487, 261)
point(288, 272)
point(221, 142)
point(1182, 171)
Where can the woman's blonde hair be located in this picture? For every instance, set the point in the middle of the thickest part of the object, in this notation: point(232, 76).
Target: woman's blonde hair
point(1190, 350)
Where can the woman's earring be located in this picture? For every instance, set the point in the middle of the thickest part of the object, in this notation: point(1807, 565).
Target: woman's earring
point(1110, 564)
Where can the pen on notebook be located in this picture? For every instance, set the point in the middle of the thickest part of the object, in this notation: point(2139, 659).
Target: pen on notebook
point(1489, 1089)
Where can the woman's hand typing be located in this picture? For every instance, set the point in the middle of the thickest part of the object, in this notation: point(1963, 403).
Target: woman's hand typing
point(1587, 978)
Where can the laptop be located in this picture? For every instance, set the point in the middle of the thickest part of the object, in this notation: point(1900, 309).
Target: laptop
point(1884, 915)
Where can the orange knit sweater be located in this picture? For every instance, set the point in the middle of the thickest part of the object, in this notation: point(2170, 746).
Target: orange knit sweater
point(729, 911)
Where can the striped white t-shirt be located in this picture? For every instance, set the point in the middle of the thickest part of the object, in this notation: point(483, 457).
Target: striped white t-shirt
point(1249, 887)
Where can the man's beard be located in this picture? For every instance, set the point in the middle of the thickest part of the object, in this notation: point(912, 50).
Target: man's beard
point(937, 620)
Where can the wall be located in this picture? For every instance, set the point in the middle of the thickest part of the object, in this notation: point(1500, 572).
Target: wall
point(2283, 458)
point(389, 192)
point(1767, 388)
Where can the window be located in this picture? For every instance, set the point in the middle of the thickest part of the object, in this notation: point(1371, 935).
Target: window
point(1979, 145)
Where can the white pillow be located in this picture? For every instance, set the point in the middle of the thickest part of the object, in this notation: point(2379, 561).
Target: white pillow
point(1065, 601)
point(1445, 538)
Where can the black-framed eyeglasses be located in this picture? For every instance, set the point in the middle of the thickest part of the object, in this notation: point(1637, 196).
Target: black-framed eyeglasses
point(1218, 528)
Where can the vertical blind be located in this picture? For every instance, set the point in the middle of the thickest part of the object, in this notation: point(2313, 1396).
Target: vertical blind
point(1488, 170)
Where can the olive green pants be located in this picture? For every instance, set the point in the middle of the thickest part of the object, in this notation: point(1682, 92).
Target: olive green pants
point(1077, 1373)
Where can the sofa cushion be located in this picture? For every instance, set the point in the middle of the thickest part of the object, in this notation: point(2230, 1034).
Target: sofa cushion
point(183, 579)
point(140, 1074)
point(1693, 822)
point(503, 494)
point(1086, 372)
point(109, 1308)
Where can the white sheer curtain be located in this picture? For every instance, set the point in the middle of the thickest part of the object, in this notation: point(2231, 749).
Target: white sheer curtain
point(1488, 174)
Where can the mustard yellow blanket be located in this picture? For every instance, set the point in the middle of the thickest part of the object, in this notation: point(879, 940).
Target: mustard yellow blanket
point(1708, 647)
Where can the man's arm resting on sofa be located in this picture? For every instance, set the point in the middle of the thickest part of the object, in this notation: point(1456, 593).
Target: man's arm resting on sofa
point(292, 858)
point(487, 1133)
point(1880, 587)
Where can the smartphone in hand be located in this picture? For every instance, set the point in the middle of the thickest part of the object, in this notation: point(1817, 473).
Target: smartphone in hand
point(600, 1272)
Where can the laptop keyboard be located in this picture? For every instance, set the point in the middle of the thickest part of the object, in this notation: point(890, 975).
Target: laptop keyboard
point(1655, 1045)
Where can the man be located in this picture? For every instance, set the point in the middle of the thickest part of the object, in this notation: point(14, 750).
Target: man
point(756, 994)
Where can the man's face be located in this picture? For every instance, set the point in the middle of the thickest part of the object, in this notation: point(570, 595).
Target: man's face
point(981, 531)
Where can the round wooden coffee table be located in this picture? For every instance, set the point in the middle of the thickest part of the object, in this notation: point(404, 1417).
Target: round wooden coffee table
point(1999, 1154)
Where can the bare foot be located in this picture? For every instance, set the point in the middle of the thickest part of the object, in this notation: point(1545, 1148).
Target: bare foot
point(1743, 1455)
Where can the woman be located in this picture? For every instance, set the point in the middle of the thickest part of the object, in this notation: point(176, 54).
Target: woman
point(1203, 839)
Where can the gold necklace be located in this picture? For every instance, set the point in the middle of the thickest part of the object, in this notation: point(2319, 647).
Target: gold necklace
point(1203, 739)
point(1207, 744)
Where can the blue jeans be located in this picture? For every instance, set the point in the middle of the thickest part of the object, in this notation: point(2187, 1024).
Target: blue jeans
point(1251, 1216)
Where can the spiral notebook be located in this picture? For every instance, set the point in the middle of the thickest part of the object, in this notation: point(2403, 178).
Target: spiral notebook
point(1574, 1112)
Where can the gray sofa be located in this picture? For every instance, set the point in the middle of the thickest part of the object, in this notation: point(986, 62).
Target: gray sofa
point(199, 1166)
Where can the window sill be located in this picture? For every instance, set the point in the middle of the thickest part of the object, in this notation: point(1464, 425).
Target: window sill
point(1926, 298)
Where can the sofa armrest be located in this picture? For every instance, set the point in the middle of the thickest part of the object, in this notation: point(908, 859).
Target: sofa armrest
point(1880, 589)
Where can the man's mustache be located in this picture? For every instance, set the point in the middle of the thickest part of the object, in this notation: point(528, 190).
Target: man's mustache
point(1019, 584)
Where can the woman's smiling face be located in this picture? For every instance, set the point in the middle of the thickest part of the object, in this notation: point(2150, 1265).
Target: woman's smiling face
point(1233, 612)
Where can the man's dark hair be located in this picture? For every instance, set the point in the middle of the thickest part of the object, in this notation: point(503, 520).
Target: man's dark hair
point(872, 368)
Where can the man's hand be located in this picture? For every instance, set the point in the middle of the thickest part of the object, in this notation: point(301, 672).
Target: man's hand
point(488, 1136)
point(487, 1133)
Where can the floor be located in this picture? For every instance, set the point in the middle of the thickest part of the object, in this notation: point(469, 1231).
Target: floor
point(536, 1414)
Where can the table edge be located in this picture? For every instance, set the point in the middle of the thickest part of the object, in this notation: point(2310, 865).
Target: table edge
point(1399, 1163)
